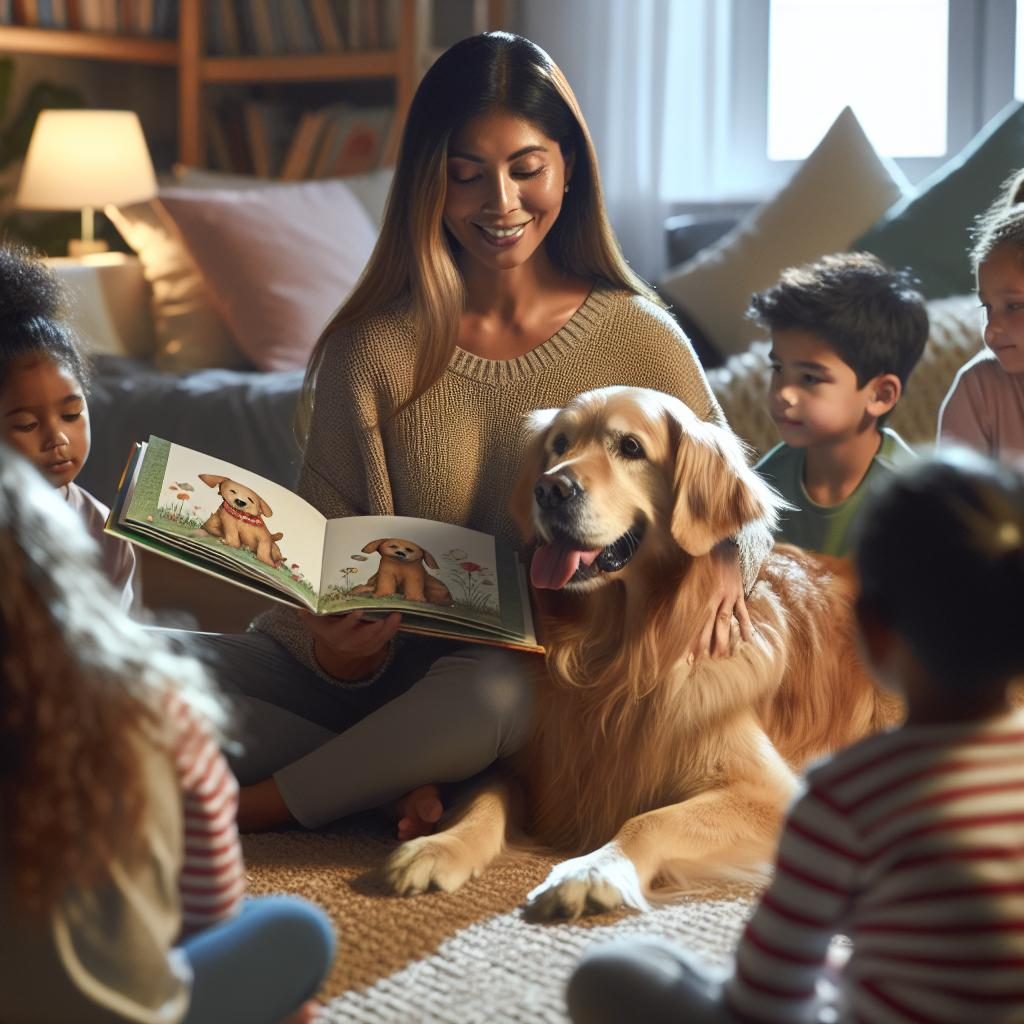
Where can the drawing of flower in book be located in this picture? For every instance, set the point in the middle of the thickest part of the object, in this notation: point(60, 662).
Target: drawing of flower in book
point(471, 578)
point(403, 571)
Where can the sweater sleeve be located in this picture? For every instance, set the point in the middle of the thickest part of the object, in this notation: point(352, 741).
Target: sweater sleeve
point(962, 415)
point(212, 881)
point(784, 948)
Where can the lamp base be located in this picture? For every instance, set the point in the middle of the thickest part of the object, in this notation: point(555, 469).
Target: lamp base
point(78, 247)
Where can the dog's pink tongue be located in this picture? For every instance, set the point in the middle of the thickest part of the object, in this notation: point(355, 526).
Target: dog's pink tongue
point(554, 565)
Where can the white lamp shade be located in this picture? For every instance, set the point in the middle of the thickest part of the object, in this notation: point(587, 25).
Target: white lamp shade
point(85, 158)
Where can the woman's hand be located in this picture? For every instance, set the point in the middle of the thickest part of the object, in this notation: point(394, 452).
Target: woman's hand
point(727, 603)
point(349, 646)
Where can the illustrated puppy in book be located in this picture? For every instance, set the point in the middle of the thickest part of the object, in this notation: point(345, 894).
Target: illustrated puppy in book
point(238, 522)
point(645, 763)
point(403, 571)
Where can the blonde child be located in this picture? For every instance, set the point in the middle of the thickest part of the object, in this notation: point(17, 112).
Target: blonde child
point(121, 879)
point(846, 333)
point(985, 405)
point(909, 841)
point(45, 416)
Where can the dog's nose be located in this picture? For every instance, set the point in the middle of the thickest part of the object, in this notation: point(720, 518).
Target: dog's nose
point(554, 489)
point(239, 503)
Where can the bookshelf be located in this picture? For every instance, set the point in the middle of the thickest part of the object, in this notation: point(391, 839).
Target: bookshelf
point(188, 53)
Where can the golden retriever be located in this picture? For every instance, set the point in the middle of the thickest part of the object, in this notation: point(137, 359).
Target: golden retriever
point(402, 571)
point(238, 522)
point(655, 767)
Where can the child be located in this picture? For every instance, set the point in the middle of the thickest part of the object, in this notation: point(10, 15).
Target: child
point(985, 406)
point(121, 876)
point(43, 381)
point(846, 333)
point(908, 842)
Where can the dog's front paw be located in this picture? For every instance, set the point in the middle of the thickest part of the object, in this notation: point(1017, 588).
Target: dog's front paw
point(430, 862)
point(598, 882)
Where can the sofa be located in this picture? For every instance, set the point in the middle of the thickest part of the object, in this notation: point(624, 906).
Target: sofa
point(201, 336)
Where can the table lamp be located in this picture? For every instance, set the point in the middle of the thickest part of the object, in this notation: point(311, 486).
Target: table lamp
point(81, 159)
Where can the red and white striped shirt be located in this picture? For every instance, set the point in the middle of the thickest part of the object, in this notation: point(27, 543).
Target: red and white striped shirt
point(212, 881)
point(912, 844)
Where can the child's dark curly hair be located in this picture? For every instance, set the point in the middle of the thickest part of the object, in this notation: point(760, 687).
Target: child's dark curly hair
point(32, 315)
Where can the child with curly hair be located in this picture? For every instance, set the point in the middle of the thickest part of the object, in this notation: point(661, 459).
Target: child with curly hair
point(121, 877)
point(43, 384)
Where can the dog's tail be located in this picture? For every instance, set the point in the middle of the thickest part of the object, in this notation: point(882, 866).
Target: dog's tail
point(276, 536)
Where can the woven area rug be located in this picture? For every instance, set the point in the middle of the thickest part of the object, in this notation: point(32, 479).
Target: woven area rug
point(465, 957)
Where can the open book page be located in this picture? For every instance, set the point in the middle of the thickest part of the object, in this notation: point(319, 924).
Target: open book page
point(239, 520)
point(434, 570)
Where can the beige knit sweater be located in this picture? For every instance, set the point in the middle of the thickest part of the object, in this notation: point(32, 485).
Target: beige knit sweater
point(453, 455)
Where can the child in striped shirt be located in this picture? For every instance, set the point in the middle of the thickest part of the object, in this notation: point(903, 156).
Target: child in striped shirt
point(121, 877)
point(909, 842)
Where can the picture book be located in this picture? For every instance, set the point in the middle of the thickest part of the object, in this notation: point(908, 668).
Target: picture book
point(217, 517)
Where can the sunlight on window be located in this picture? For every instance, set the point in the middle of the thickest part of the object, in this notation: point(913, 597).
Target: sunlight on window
point(885, 58)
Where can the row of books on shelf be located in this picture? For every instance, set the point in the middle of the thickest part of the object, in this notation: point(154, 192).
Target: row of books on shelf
point(156, 18)
point(270, 27)
point(274, 140)
point(232, 27)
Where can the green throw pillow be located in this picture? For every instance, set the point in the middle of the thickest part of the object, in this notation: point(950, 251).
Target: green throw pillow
point(930, 230)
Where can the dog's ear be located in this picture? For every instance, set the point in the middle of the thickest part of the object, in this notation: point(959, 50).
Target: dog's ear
point(373, 545)
point(429, 559)
point(716, 492)
point(212, 480)
point(533, 433)
point(265, 509)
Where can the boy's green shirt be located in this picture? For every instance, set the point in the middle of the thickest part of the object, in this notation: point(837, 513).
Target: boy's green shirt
point(825, 528)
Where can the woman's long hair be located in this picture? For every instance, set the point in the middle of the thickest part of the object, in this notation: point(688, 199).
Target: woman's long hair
point(77, 679)
point(413, 264)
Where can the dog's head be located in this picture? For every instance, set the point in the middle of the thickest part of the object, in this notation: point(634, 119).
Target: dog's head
point(401, 550)
point(237, 495)
point(627, 477)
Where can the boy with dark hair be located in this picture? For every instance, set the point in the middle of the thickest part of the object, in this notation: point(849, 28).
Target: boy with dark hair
point(846, 333)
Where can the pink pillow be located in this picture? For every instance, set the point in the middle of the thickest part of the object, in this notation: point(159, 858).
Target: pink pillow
point(277, 261)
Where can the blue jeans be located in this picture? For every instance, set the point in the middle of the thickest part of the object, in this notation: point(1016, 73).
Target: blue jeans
point(261, 965)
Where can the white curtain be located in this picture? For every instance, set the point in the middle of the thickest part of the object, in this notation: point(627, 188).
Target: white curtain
point(651, 77)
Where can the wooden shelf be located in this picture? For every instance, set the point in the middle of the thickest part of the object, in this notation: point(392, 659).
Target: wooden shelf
point(307, 68)
point(88, 46)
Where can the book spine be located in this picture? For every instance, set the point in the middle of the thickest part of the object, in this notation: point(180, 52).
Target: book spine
point(326, 26)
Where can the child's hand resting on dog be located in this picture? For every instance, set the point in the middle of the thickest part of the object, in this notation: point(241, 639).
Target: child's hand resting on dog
point(349, 646)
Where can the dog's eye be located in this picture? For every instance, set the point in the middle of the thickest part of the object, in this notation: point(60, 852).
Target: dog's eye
point(631, 448)
point(560, 444)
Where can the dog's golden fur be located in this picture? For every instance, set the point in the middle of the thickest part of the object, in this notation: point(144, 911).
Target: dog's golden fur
point(244, 528)
point(661, 765)
point(403, 570)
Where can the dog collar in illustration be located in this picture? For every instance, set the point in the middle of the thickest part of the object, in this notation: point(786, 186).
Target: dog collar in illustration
point(244, 516)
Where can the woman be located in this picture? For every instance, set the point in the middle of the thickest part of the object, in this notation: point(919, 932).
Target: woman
point(496, 287)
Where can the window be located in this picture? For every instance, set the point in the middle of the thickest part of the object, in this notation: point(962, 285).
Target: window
point(887, 59)
point(923, 76)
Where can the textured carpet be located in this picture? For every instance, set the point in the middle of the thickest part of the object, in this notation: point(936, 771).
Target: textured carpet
point(461, 958)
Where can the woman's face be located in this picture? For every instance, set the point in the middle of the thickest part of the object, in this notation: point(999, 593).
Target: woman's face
point(506, 182)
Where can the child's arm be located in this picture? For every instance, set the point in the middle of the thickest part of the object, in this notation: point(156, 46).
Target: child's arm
point(963, 416)
point(212, 881)
point(784, 949)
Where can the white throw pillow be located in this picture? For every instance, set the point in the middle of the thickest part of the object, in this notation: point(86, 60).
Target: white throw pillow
point(835, 195)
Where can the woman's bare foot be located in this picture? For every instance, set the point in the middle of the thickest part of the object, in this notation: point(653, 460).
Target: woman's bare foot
point(419, 811)
point(307, 1013)
point(261, 807)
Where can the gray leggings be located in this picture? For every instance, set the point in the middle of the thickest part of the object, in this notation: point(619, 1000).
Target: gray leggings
point(647, 980)
point(440, 713)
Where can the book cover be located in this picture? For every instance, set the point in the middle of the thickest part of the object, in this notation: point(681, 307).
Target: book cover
point(299, 157)
point(354, 142)
point(223, 520)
